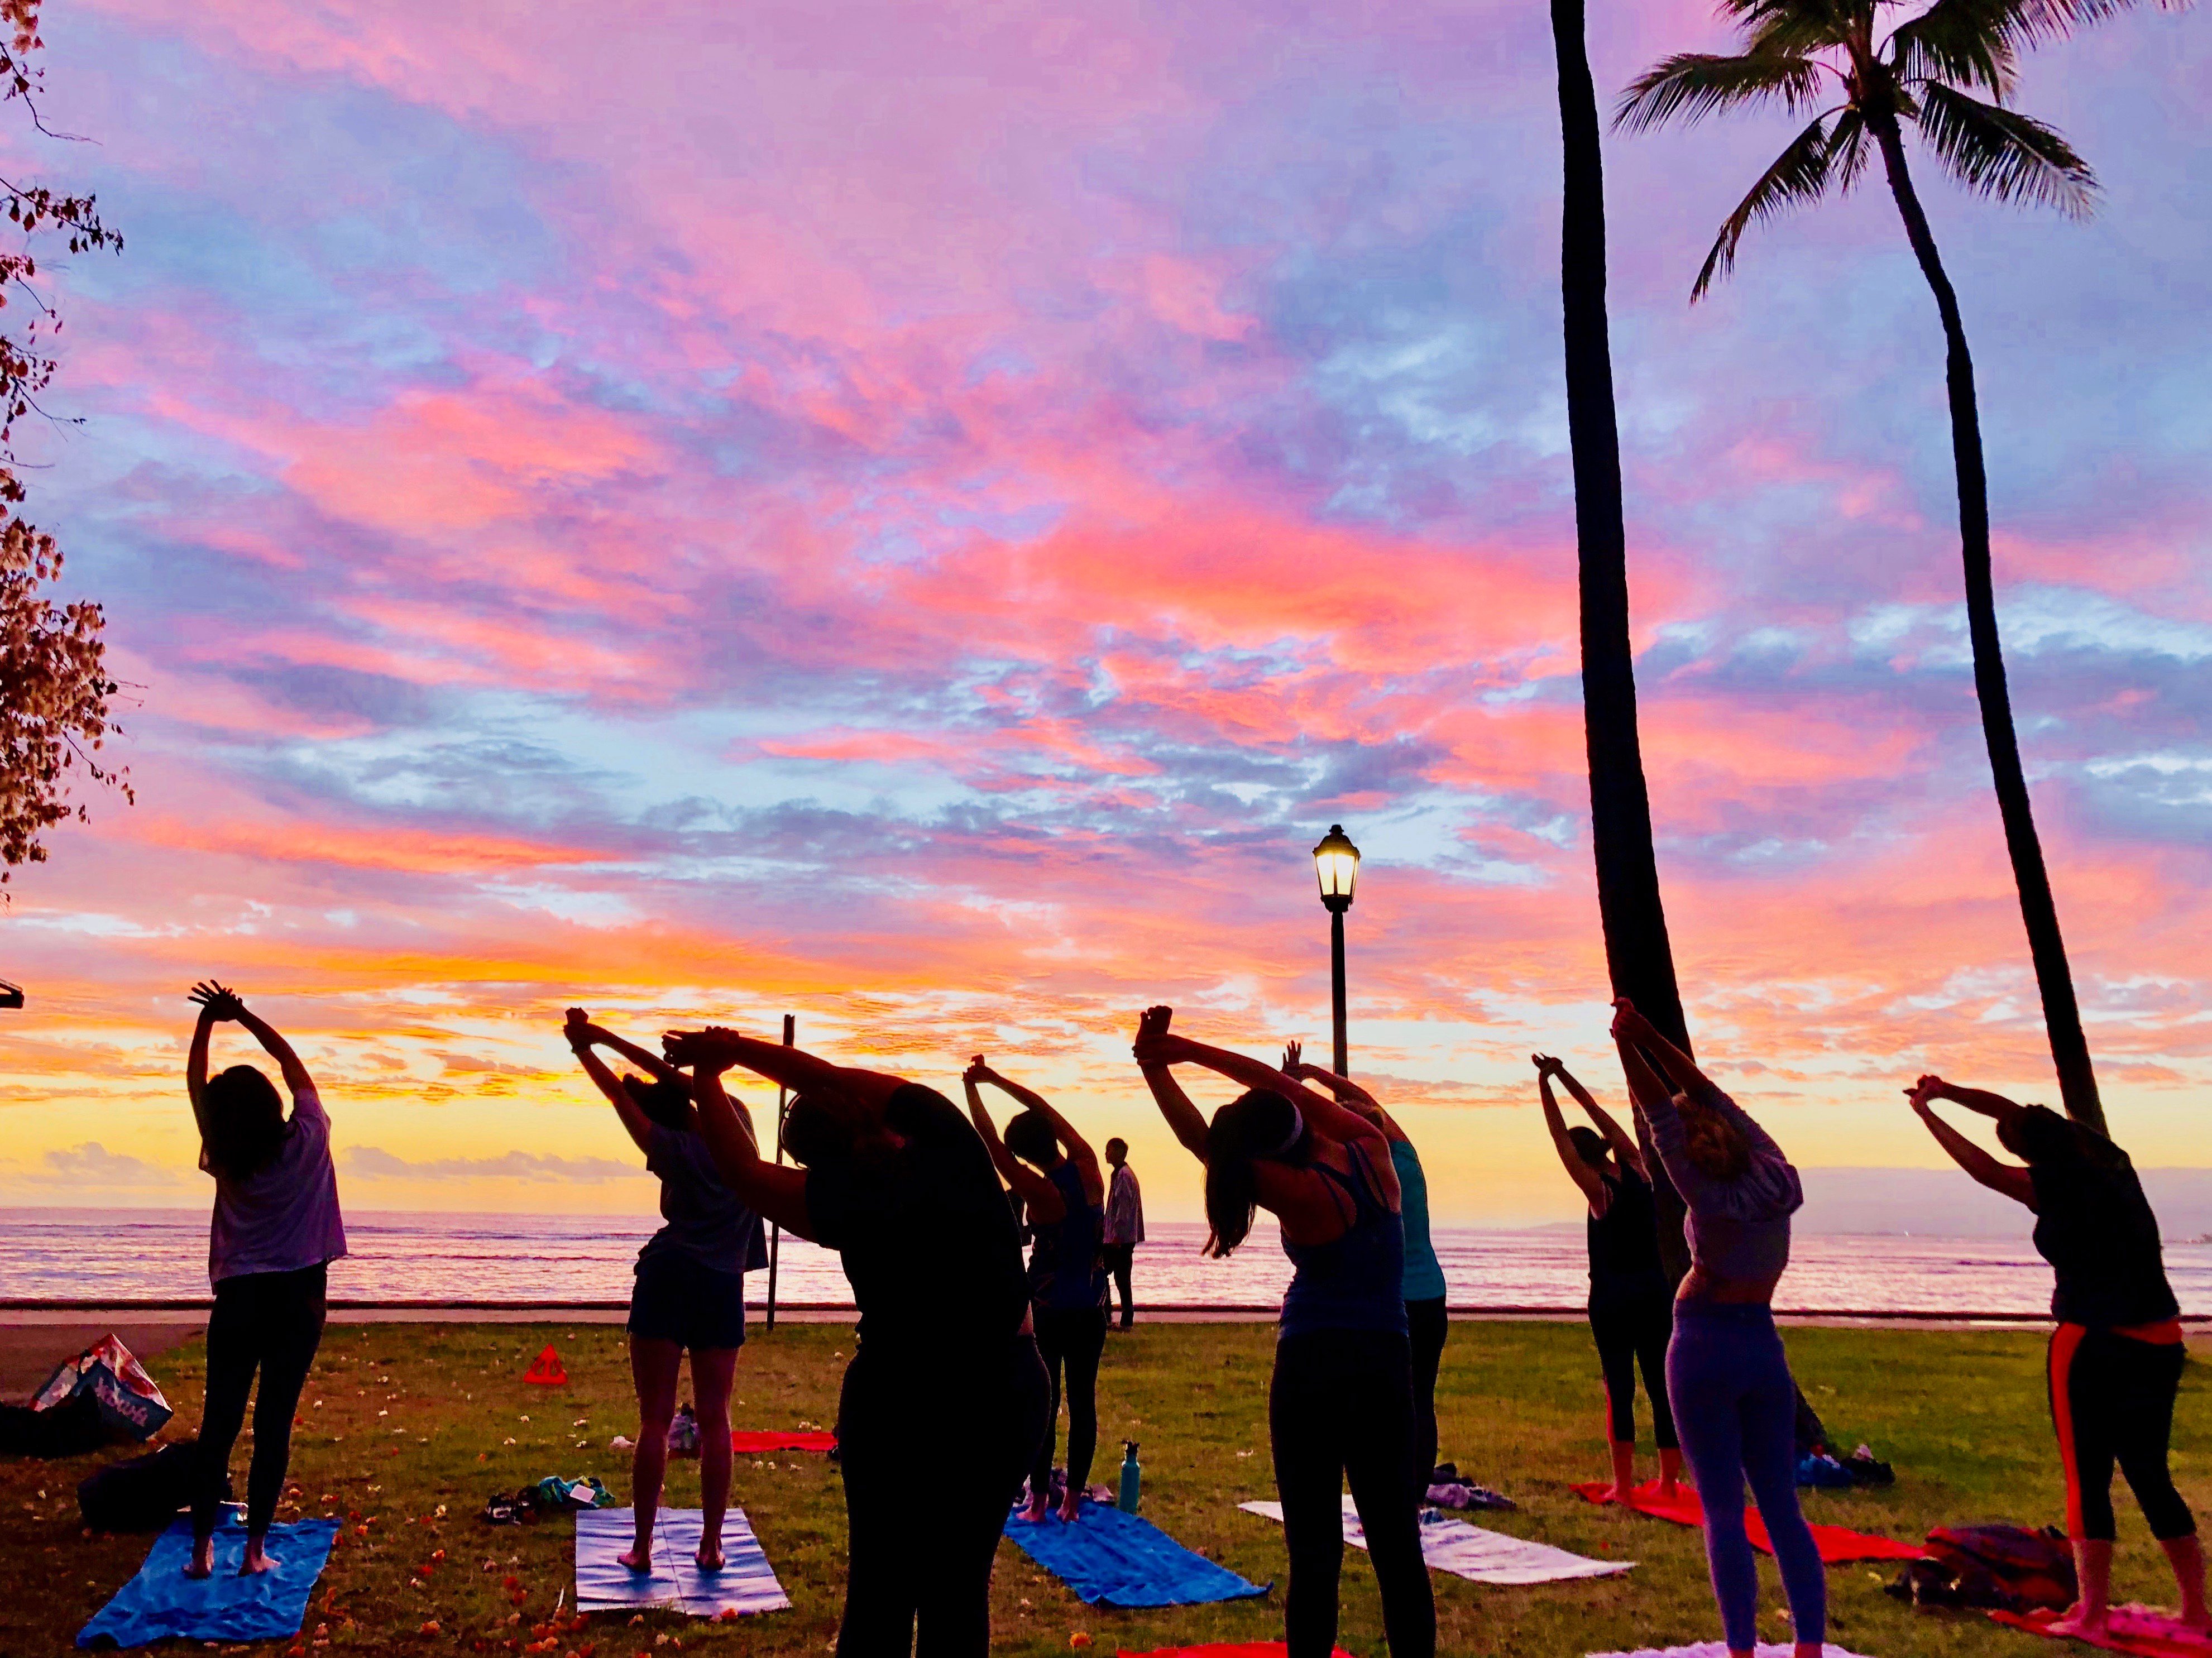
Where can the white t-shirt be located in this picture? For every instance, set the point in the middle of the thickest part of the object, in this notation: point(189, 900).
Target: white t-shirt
point(284, 1215)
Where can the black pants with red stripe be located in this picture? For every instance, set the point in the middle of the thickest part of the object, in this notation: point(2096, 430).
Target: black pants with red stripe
point(2112, 1399)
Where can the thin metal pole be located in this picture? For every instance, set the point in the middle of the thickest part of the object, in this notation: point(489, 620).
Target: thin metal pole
point(1336, 986)
point(776, 1233)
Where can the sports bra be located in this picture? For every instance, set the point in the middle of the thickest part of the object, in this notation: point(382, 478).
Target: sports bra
point(1355, 1282)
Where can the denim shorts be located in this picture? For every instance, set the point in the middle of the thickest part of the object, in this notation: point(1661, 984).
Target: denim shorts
point(679, 1298)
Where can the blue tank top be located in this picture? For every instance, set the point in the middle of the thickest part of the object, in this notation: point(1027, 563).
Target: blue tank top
point(1067, 1272)
point(1356, 1282)
point(1425, 1278)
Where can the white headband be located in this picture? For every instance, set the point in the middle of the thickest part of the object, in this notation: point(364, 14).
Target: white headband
point(1298, 1127)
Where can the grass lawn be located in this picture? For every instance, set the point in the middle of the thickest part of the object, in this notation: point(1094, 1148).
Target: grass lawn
point(400, 1419)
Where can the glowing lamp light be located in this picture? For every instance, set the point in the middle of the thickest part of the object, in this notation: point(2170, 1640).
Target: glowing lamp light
point(1336, 861)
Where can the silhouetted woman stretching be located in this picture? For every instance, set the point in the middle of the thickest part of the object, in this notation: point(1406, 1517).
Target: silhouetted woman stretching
point(275, 1232)
point(1727, 1374)
point(2116, 1355)
point(690, 1291)
point(1341, 1405)
point(1066, 1192)
point(899, 1183)
point(1427, 1322)
point(1631, 1315)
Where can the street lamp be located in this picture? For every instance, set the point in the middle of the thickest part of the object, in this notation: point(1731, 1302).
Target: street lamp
point(1336, 861)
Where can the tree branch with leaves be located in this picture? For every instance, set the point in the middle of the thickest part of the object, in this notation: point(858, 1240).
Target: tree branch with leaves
point(55, 687)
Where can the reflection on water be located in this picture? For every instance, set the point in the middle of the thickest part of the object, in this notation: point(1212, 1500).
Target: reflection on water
point(80, 1255)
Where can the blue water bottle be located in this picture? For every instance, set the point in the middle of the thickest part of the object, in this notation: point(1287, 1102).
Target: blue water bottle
point(1133, 1476)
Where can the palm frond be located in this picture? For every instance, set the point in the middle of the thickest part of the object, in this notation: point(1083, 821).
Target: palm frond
point(1800, 27)
point(1691, 85)
point(1967, 43)
point(1850, 147)
point(2054, 20)
point(1800, 176)
point(2002, 155)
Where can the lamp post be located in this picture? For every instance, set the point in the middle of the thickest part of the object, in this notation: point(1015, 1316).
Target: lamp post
point(1336, 861)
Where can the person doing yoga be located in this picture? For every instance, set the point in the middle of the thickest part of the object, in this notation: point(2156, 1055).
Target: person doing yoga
point(1728, 1378)
point(898, 1182)
point(1426, 1323)
point(1340, 1404)
point(2116, 1357)
point(689, 1286)
point(1057, 1175)
point(1632, 1316)
point(275, 1231)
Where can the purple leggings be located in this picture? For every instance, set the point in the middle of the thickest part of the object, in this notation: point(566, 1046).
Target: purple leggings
point(1735, 1408)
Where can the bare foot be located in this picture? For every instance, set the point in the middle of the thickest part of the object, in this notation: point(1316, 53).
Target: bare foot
point(202, 1565)
point(1071, 1511)
point(1616, 1494)
point(637, 1557)
point(2080, 1623)
point(710, 1557)
point(1669, 1490)
point(1037, 1512)
point(258, 1560)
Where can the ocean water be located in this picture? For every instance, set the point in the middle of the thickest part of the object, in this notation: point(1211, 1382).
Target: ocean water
point(135, 1255)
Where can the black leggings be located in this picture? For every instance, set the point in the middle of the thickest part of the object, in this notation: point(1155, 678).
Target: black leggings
point(918, 1579)
point(1632, 1329)
point(1341, 1407)
point(1070, 1339)
point(1121, 1260)
point(1428, 1324)
point(2112, 1399)
point(272, 1321)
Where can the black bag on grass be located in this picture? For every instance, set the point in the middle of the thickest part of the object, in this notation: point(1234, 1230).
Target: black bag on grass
point(143, 1493)
point(70, 1429)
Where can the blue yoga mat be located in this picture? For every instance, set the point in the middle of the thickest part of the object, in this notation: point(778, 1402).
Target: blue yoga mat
point(161, 1603)
point(1114, 1559)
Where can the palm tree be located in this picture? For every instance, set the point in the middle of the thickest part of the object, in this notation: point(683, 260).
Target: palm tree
point(1638, 958)
point(1925, 70)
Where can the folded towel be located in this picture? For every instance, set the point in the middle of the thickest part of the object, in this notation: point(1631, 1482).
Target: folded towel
point(1479, 1556)
point(2141, 1631)
point(1226, 1649)
point(161, 1603)
point(1835, 1542)
point(1116, 1560)
point(745, 1584)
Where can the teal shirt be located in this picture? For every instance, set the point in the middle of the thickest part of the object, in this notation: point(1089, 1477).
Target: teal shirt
point(1425, 1280)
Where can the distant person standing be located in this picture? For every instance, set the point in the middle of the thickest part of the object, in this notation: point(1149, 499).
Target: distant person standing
point(1427, 1323)
point(275, 1232)
point(1125, 1225)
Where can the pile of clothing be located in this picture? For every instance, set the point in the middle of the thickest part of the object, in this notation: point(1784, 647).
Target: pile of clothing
point(1448, 1491)
point(551, 1495)
point(1991, 1567)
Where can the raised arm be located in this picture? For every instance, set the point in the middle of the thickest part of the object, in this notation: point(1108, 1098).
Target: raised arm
point(1346, 1091)
point(1592, 1184)
point(2010, 1179)
point(1319, 1109)
point(769, 1189)
point(196, 1062)
point(582, 1034)
point(1977, 1100)
point(1151, 1049)
point(1679, 1071)
point(793, 1067)
point(1039, 1194)
point(1623, 1146)
point(1078, 1149)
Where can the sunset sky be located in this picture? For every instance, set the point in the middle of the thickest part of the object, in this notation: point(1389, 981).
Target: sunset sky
point(918, 515)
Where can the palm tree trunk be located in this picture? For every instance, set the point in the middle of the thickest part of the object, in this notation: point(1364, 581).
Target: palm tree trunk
point(2062, 1014)
point(1638, 958)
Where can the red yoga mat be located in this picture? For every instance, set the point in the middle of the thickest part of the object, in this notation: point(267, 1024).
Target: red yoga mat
point(2135, 1630)
point(1225, 1650)
point(1835, 1544)
point(753, 1441)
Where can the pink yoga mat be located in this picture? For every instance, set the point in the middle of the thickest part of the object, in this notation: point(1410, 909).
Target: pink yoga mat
point(753, 1441)
point(1835, 1544)
point(2135, 1630)
point(1225, 1650)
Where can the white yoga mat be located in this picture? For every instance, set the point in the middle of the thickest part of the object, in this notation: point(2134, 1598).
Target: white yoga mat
point(1479, 1556)
point(1719, 1649)
point(746, 1581)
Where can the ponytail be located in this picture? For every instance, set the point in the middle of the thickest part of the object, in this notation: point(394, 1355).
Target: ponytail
point(1258, 1124)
